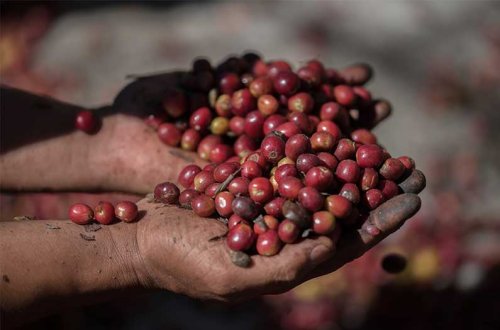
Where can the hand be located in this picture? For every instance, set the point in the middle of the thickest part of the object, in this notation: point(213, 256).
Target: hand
point(178, 253)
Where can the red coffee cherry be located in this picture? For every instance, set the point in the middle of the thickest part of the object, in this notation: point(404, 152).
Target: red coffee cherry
point(81, 213)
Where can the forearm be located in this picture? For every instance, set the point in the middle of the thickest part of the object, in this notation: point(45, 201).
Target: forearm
point(47, 262)
point(41, 150)
point(40, 147)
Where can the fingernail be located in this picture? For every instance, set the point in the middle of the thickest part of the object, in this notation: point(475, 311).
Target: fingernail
point(319, 254)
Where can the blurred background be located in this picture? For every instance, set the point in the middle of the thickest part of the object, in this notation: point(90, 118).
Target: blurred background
point(438, 62)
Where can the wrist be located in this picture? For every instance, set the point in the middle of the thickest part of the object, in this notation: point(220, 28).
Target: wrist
point(134, 273)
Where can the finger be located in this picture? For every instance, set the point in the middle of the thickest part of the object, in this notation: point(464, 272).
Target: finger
point(145, 94)
point(414, 183)
point(382, 222)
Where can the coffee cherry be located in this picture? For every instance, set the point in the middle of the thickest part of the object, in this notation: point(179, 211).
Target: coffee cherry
point(209, 167)
point(190, 139)
point(369, 179)
point(272, 122)
point(261, 86)
point(200, 119)
point(296, 213)
point(220, 153)
point(350, 192)
point(284, 171)
point(288, 231)
point(169, 134)
point(289, 187)
point(268, 243)
point(202, 180)
point(260, 68)
point(244, 145)
point(212, 189)
point(392, 169)
point(260, 190)
point(275, 67)
point(339, 206)
point(322, 142)
point(258, 158)
point(285, 161)
point(186, 196)
point(324, 222)
point(85, 121)
point(237, 125)
point(250, 169)
point(303, 121)
point(348, 171)
point(329, 160)
point(320, 177)
point(224, 170)
point(104, 213)
point(388, 188)
point(187, 174)
point(154, 121)
point(288, 129)
point(307, 161)
point(268, 222)
point(373, 198)
point(344, 95)
point(223, 202)
point(345, 149)
point(273, 148)
point(245, 207)
point(363, 136)
point(254, 123)
point(242, 102)
point(330, 111)
point(219, 126)
point(81, 213)
point(369, 155)
point(364, 96)
point(301, 102)
point(407, 162)
point(203, 205)
point(311, 199)
point(296, 145)
point(240, 237)
point(267, 105)
point(274, 207)
point(229, 83)
point(207, 144)
point(167, 193)
point(234, 220)
point(310, 76)
point(126, 211)
point(239, 186)
point(286, 83)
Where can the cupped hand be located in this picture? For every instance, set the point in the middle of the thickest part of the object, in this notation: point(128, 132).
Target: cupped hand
point(184, 253)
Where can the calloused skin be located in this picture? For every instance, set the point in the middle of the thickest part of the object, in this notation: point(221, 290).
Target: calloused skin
point(47, 264)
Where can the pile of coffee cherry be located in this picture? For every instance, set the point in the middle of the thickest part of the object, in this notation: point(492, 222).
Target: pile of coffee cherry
point(291, 152)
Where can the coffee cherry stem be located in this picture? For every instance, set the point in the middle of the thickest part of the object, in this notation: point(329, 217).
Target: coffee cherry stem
point(228, 180)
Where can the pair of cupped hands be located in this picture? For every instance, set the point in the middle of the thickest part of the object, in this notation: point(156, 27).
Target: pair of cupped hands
point(174, 248)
